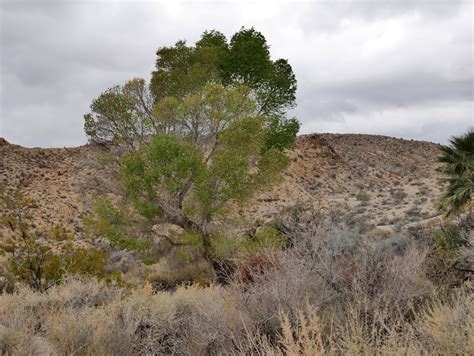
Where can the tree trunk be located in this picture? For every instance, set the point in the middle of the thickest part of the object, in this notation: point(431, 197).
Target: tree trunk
point(188, 224)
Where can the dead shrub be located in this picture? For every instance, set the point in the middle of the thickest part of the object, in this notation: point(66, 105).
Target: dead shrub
point(440, 328)
point(252, 266)
point(329, 266)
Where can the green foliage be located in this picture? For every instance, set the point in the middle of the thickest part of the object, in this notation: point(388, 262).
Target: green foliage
point(38, 257)
point(449, 237)
point(266, 237)
point(160, 169)
point(229, 176)
point(193, 239)
point(208, 132)
point(148, 261)
point(182, 69)
point(186, 263)
point(199, 117)
point(15, 210)
point(190, 83)
point(215, 154)
point(225, 246)
point(449, 249)
point(281, 133)
point(213, 39)
point(458, 168)
point(120, 114)
point(211, 153)
point(249, 63)
point(249, 57)
point(114, 224)
point(263, 239)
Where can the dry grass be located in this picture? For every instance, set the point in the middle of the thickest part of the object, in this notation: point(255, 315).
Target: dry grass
point(444, 328)
point(89, 318)
point(331, 291)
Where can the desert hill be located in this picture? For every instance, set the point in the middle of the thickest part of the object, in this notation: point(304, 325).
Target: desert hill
point(389, 182)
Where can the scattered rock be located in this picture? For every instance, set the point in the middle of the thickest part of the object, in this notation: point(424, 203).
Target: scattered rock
point(326, 169)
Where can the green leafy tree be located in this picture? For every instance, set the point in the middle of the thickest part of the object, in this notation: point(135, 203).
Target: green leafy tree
point(458, 168)
point(208, 132)
point(211, 152)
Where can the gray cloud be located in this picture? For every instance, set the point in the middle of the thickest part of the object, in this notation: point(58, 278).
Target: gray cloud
point(401, 68)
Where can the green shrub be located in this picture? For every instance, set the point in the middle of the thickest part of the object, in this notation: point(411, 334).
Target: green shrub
point(452, 245)
point(40, 257)
point(363, 197)
point(266, 237)
point(114, 224)
point(450, 237)
point(106, 158)
point(263, 238)
point(148, 261)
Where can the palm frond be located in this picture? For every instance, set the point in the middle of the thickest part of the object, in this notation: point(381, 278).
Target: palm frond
point(458, 171)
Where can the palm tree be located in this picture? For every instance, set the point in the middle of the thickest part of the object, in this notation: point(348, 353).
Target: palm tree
point(458, 170)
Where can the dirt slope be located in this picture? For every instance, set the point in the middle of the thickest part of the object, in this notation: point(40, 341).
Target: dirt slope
point(386, 180)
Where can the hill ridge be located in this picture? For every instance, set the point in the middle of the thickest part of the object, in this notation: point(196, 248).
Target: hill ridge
point(383, 179)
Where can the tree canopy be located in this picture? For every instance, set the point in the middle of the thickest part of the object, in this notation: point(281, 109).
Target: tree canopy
point(130, 113)
point(121, 114)
point(182, 69)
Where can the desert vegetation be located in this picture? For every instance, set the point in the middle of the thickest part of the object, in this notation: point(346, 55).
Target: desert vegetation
point(458, 169)
point(328, 289)
point(175, 267)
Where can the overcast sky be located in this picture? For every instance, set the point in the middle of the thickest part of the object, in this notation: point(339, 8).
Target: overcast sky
point(399, 68)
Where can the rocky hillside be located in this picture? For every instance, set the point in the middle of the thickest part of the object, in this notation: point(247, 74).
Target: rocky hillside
point(388, 182)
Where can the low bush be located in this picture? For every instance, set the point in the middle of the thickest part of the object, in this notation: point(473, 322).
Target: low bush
point(40, 257)
point(326, 289)
point(441, 328)
point(363, 197)
point(450, 245)
point(199, 272)
point(330, 266)
point(85, 317)
point(192, 320)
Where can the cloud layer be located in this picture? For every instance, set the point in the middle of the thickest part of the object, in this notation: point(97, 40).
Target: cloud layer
point(395, 68)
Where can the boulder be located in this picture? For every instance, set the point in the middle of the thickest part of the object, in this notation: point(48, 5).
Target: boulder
point(166, 231)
